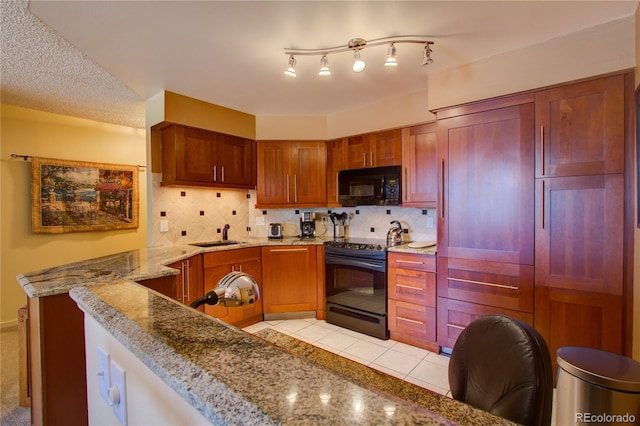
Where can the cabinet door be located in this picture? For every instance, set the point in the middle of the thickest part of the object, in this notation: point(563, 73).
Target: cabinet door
point(274, 169)
point(289, 279)
point(236, 164)
point(212, 275)
point(355, 152)
point(579, 233)
point(195, 155)
point(309, 174)
point(420, 166)
point(250, 314)
point(486, 185)
point(193, 279)
point(576, 318)
point(385, 148)
point(581, 128)
point(334, 165)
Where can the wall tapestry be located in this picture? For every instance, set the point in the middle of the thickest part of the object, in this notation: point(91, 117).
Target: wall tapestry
point(72, 196)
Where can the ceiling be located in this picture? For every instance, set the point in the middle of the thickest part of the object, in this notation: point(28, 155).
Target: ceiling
point(102, 59)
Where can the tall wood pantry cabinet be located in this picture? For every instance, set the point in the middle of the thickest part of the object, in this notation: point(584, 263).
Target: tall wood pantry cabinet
point(485, 218)
point(580, 210)
point(550, 169)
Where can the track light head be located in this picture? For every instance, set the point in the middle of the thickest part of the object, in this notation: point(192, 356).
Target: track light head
point(358, 64)
point(324, 66)
point(426, 56)
point(391, 56)
point(291, 70)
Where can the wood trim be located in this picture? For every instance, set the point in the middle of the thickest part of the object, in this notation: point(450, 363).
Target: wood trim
point(629, 212)
point(485, 105)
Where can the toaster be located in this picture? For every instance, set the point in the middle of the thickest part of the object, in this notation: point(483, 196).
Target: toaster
point(275, 230)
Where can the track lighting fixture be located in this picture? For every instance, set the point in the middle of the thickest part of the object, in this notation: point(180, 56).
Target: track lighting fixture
point(356, 45)
point(291, 71)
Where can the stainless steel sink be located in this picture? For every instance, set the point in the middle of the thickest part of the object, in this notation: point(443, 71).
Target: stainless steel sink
point(216, 243)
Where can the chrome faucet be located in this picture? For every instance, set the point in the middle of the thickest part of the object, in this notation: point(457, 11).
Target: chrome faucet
point(225, 232)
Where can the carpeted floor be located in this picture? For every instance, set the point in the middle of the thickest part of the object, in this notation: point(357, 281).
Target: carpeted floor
point(380, 381)
point(10, 411)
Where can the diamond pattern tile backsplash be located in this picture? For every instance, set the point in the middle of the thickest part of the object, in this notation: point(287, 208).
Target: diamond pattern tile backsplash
point(199, 214)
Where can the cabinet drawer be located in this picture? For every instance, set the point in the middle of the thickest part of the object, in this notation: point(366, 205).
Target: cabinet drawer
point(504, 285)
point(412, 320)
point(455, 315)
point(412, 286)
point(418, 262)
point(216, 258)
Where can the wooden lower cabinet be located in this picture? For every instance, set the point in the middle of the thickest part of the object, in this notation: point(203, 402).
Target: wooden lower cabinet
point(218, 264)
point(579, 318)
point(290, 278)
point(455, 315)
point(58, 379)
point(411, 282)
point(189, 284)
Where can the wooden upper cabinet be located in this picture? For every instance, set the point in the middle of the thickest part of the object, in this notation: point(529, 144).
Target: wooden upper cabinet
point(204, 158)
point(292, 174)
point(580, 128)
point(373, 150)
point(487, 186)
point(334, 165)
point(420, 166)
point(237, 160)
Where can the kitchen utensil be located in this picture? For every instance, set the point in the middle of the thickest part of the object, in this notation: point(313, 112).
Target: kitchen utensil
point(275, 230)
point(395, 235)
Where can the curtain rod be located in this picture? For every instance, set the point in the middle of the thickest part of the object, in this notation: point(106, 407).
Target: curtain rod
point(27, 157)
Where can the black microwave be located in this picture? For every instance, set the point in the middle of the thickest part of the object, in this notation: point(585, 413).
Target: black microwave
point(374, 186)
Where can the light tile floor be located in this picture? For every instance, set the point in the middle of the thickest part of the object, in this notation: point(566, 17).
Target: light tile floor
point(418, 366)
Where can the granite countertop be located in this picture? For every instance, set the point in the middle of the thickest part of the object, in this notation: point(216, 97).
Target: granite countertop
point(141, 264)
point(230, 376)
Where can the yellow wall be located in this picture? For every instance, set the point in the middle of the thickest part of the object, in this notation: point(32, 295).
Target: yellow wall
point(35, 133)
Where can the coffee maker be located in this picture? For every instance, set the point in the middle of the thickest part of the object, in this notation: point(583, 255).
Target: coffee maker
point(307, 225)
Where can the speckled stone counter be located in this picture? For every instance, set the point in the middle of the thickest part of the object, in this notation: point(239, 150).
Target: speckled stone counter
point(230, 376)
point(132, 265)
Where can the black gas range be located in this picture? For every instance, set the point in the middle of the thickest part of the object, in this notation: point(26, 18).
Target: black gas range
point(356, 285)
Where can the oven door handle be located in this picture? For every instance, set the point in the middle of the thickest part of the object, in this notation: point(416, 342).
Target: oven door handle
point(379, 266)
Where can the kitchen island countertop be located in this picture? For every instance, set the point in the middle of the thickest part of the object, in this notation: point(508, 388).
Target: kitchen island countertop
point(230, 376)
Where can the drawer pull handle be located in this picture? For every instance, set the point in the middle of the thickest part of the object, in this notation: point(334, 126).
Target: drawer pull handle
point(410, 320)
point(409, 286)
point(459, 327)
point(288, 250)
point(412, 262)
point(509, 287)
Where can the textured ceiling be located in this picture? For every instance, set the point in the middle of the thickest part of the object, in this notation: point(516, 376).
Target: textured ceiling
point(102, 59)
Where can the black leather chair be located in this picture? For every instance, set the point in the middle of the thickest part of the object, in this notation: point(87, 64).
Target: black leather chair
point(503, 366)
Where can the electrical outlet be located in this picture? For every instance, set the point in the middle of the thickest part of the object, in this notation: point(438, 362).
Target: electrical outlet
point(164, 225)
point(104, 378)
point(429, 222)
point(260, 221)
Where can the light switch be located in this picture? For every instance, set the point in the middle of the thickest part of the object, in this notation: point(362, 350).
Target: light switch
point(118, 392)
point(164, 225)
point(103, 373)
point(260, 220)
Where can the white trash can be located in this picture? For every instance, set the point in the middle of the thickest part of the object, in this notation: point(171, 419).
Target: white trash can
point(596, 387)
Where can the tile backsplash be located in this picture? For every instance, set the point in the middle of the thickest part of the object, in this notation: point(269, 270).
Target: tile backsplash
point(199, 214)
